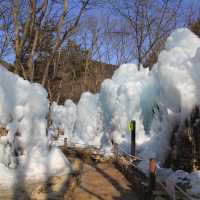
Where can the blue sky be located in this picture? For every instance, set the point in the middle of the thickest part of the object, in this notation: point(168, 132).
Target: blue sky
point(104, 12)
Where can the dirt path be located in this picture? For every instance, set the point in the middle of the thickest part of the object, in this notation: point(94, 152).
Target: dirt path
point(88, 181)
point(92, 178)
point(102, 182)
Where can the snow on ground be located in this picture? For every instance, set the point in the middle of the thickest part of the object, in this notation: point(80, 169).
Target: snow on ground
point(24, 152)
point(195, 184)
point(157, 100)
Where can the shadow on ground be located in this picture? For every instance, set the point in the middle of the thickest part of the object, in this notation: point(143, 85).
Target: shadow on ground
point(89, 181)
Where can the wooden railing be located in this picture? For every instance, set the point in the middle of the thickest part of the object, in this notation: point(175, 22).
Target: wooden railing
point(171, 192)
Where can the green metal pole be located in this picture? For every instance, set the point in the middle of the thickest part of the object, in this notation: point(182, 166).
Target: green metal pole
point(133, 127)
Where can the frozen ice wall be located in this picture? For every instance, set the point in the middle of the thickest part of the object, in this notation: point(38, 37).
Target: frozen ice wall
point(158, 100)
point(174, 78)
point(76, 120)
point(176, 71)
point(64, 118)
point(124, 103)
point(24, 148)
point(99, 118)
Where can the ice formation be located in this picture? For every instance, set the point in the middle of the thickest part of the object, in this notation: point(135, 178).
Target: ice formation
point(157, 100)
point(24, 150)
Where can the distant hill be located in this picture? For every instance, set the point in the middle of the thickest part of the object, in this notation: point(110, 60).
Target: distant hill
point(75, 74)
point(68, 85)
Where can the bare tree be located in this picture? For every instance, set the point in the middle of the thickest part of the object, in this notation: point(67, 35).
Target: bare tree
point(40, 29)
point(5, 40)
point(191, 11)
point(146, 22)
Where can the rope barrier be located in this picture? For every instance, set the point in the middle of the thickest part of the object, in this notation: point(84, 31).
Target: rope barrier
point(158, 181)
point(162, 185)
point(176, 187)
point(183, 192)
point(135, 157)
point(131, 164)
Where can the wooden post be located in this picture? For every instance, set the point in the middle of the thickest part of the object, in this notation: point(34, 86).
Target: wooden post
point(65, 143)
point(133, 127)
point(116, 152)
point(152, 177)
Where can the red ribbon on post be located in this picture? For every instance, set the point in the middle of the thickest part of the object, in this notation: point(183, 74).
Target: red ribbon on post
point(152, 177)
